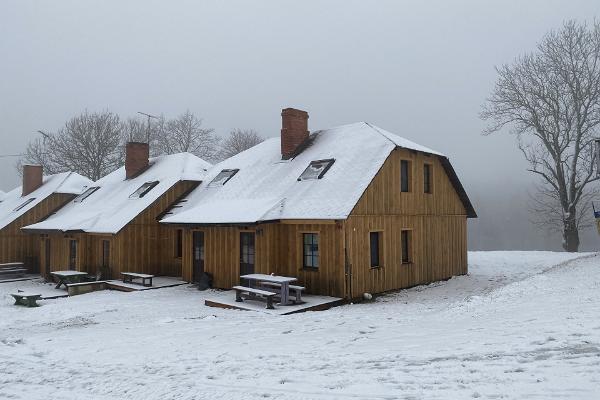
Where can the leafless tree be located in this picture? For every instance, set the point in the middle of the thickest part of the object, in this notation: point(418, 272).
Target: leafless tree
point(186, 134)
point(142, 130)
point(89, 144)
point(238, 141)
point(551, 100)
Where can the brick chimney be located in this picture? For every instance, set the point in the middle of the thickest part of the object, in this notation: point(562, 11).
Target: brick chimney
point(32, 178)
point(294, 131)
point(136, 158)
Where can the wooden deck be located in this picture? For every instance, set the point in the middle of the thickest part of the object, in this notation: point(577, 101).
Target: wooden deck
point(226, 299)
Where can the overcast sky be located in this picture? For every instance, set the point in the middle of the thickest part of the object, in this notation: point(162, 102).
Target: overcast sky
point(419, 69)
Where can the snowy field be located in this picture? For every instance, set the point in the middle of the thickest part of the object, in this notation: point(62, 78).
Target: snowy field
point(522, 325)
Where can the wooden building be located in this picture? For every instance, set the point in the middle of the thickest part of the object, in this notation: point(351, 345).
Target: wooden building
point(38, 197)
point(113, 226)
point(346, 210)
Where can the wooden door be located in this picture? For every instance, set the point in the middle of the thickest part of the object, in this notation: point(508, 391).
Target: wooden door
point(198, 256)
point(246, 253)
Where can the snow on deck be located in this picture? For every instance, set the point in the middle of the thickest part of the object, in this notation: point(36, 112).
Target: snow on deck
point(157, 282)
point(521, 325)
point(226, 299)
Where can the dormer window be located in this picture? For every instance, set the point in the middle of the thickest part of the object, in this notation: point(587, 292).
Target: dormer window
point(223, 177)
point(316, 169)
point(86, 194)
point(24, 204)
point(143, 190)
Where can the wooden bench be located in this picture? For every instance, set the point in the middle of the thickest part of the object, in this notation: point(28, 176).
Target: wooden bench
point(297, 290)
point(252, 293)
point(26, 299)
point(128, 277)
point(16, 269)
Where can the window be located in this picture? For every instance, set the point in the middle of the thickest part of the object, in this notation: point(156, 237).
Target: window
point(105, 253)
point(404, 176)
point(143, 190)
point(24, 204)
point(72, 254)
point(179, 243)
point(316, 169)
point(310, 252)
point(86, 194)
point(405, 238)
point(375, 245)
point(223, 177)
point(427, 178)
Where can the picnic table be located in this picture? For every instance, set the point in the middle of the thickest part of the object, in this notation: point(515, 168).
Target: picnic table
point(26, 299)
point(128, 277)
point(66, 277)
point(283, 281)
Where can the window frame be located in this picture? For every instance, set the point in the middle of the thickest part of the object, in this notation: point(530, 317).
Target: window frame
point(87, 193)
point(379, 260)
point(24, 204)
point(313, 257)
point(73, 249)
point(329, 162)
point(406, 246)
point(408, 178)
point(151, 185)
point(105, 253)
point(179, 243)
point(428, 178)
point(233, 171)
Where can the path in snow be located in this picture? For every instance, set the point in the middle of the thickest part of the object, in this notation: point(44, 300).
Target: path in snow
point(516, 327)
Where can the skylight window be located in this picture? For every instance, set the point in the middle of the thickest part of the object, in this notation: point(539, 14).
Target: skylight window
point(86, 194)
point(223, 177)
point(316, 169)
point(24, 204)
point(143, 190)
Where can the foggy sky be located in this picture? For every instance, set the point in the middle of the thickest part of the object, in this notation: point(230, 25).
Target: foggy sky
point(419, 69)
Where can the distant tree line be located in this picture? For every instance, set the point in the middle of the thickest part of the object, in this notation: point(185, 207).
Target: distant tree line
point(93, 143)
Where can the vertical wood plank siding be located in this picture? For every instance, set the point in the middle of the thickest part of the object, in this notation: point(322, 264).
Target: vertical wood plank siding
point(143, 245)
point(278, 250)
point(17, 246)
point(437, 222)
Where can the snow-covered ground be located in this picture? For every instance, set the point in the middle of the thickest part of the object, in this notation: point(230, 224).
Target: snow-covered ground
point(522, 325)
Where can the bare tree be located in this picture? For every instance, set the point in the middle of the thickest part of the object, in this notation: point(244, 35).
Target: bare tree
point(551, 100)
point(143, 130)
point(186, 134)
point(89, 144)
point(238, 141)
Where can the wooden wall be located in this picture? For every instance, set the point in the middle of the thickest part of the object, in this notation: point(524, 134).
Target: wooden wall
point(277, 250)
point(17, 246)
point(437, 224)
point(143, 245)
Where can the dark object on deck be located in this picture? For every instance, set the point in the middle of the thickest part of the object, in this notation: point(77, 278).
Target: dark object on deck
point(252, 294)
point(26, 299)
point(205, 281)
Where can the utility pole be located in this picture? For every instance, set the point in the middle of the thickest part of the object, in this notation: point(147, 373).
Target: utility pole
point(148, 127)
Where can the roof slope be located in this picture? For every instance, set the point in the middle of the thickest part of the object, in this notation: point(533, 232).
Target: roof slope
point(110, 208)
point(66, 182)
point(267, 187)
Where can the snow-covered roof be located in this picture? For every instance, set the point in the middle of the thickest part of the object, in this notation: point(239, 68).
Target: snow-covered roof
point(267, 188)
point(13, 205)
point(110, 207)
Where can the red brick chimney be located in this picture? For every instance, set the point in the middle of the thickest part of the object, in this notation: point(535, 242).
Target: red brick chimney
point(294, 131)
point(136, 158)
point(32, 178)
